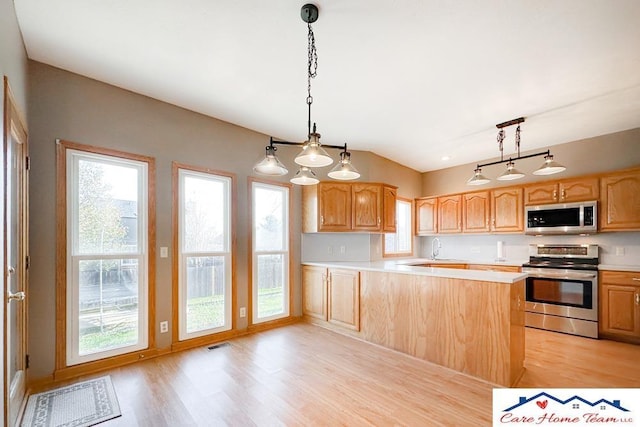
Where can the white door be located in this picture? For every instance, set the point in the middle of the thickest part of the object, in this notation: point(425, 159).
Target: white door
point(15, 252)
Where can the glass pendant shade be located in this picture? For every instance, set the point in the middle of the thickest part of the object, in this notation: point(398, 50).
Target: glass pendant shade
point(270, 165)
point(511, 173)
point(305, 176)
point(478, 178)
point(344, 170)
point(312, 154)
point(549, 167)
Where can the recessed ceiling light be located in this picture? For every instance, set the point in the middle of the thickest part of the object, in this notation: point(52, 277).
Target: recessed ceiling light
point(445, 158)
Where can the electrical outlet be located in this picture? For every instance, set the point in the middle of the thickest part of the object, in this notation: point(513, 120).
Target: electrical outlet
point(619, 250)
point(164, 252)
point(343, 250)
point(164, 327)
point(329, 250)
point(243, 312)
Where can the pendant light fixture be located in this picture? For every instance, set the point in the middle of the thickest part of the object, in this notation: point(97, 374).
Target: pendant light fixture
point(344, 170)
point(549, 167)
point(313, 154)
point(305, 176)
point(270, 165)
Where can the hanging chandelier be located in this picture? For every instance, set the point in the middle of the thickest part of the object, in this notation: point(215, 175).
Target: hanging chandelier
point(313, 154)
point(549, 167)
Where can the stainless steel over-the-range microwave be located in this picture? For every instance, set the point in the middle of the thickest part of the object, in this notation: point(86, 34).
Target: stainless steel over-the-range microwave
point(562, 218)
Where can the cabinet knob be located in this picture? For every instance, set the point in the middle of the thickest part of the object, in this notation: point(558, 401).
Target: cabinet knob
point(321, 219)
point(562, 194)
point(555, 194)
point(378, 220)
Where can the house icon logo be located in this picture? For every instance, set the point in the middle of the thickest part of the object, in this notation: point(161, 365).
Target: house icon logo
point(563, 407)
point(543, 399)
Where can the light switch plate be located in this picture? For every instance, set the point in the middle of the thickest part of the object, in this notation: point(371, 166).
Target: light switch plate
point(164, 252)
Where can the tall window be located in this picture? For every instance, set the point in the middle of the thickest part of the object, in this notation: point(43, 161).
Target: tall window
point(204, 235)
point(400, 243)
point(270, 259)
point(107, 256)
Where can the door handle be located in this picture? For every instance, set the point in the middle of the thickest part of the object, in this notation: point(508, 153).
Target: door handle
point(636, 279)
point(637, 299)
point(18, 296)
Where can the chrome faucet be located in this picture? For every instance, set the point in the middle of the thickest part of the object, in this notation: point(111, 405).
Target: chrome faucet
point(435, 248)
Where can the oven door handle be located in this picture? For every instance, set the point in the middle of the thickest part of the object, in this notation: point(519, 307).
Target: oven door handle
point(562, 276)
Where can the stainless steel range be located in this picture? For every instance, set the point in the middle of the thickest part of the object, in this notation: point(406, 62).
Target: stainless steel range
point(562, 289)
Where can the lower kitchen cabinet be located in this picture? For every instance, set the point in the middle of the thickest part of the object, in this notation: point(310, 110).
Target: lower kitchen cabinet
point(314, 292)
point(344, 298)
point(620, 305)
point(332, 295)
point(493, 267)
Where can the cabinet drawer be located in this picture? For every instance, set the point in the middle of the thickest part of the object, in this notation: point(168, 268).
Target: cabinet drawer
point(621, 277)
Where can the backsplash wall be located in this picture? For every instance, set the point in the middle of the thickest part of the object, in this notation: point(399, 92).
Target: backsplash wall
point(620, 248)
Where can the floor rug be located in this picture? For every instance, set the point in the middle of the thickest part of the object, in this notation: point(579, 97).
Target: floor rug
point(82, 404)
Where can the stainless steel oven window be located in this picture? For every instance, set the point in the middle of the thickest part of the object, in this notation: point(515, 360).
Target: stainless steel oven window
point(564, 292)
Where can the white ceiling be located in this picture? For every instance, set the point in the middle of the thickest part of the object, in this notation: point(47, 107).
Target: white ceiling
point(411, 80)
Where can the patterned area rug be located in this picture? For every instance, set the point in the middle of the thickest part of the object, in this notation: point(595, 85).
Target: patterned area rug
point(79, 405)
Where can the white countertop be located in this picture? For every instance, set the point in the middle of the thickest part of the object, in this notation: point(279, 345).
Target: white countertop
point(399, 266)
point(613, 267)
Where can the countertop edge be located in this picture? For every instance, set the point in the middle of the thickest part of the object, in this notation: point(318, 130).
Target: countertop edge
point(394, 267)
point(613, 267)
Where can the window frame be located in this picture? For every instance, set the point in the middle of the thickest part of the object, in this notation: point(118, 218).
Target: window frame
point(252, 321)
point(410, 202)
point(183, 255)
point(198, 340)
point(67, 364)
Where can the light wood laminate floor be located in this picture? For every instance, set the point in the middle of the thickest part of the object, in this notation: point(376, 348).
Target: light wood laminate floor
point(304, 375)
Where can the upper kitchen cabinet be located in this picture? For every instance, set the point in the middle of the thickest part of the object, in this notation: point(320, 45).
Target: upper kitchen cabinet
point(566, 191)
point(389, 198)
point(367, 206)
point(476, 212)
point(426, 216)
point(507, 212)
point(326, 207)
point(450, 214)
point(347, 207)
point(620, 201)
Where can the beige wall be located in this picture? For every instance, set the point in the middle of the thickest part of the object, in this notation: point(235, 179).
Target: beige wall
point(593, 155)
point(67, 106)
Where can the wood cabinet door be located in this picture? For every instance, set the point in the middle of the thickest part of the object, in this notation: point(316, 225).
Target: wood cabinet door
point(389, 196)
point(334, 206)
point(367, 207)
point(620, 310)
point(314, 291)
point(475, 212)
point(344, 298)
point(620, 202)
point(578, 190)
point(449, 214)
point(541, 194)
point(426, 216)
point(507, 212)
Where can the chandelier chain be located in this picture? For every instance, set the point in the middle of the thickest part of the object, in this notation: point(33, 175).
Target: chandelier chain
point(312, 62)
point(500, 142)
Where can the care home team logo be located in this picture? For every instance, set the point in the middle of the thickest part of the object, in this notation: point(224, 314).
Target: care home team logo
point(564, 407)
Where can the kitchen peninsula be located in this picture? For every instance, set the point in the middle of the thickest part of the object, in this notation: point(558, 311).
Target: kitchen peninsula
point(468, 320)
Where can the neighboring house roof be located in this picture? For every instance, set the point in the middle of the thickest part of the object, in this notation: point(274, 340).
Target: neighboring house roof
point(524, 400)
